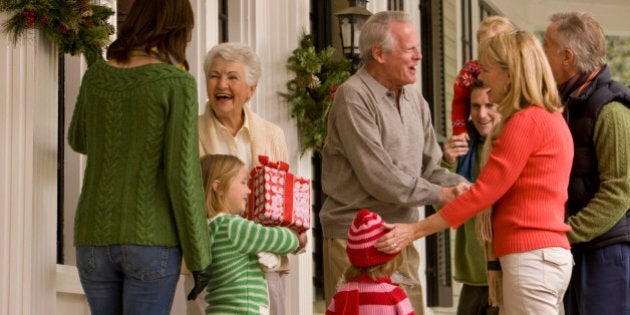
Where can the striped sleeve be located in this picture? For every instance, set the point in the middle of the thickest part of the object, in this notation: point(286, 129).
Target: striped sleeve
point(250, 237)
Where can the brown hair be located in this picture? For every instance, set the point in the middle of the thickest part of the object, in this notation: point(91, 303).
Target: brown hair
point(222, 168)
point(165, 25)
point(476, 84)
point(383, 270)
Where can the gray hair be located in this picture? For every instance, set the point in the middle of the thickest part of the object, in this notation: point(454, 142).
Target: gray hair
point(375, 32)
point(584, 36)
point(235, 52)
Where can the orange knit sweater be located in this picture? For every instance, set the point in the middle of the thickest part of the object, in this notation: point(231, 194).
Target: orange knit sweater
point(526, 178)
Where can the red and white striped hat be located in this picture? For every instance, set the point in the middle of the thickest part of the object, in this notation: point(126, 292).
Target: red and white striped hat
point(365, 230)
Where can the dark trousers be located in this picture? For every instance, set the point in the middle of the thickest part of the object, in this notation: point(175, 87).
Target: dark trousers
point(600, 282)
point(473, 300)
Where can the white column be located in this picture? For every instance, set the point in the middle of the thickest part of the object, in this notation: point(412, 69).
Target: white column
point(28, 165)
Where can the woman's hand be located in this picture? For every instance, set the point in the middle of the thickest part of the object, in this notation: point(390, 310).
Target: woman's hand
point(399, 236)
point(302, 239)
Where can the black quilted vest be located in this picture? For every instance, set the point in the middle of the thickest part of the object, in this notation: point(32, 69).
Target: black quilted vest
point(581, 113)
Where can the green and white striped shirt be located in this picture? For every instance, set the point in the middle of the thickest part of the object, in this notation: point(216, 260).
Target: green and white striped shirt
point(237, 284)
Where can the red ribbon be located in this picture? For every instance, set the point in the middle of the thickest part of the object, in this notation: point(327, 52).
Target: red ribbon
point(264, 160)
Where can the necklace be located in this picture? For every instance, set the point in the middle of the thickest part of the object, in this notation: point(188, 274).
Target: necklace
point(156, 54)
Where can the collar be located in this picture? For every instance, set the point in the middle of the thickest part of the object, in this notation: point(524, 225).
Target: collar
point(575, 85)
point(377, 88)
point(244, 127)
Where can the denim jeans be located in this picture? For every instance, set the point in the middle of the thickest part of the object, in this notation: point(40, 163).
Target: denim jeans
point(600, 283)
point(129, 279)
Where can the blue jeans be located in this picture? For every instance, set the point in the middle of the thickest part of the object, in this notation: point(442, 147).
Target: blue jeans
point(129, 279)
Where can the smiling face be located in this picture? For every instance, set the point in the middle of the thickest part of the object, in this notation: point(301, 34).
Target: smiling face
point(400, 63)
point(497, 79)
point(482, 111)
point(227, 88)
point(237, 192)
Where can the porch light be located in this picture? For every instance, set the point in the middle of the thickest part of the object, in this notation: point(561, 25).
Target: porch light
point(351, 20)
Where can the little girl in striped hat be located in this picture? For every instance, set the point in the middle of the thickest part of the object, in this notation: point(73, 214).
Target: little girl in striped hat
point(368, 289)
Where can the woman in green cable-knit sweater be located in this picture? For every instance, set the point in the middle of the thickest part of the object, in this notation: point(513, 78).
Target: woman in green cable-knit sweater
point(142, 203)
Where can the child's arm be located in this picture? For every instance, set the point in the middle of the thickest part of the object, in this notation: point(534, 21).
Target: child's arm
point(250, 237)
point(403, 305)
point(460, 106)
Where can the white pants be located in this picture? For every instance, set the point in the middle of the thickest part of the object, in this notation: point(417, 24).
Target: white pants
point(534, 282)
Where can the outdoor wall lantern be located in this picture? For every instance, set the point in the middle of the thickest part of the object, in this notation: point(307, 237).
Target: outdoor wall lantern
point(351, 20)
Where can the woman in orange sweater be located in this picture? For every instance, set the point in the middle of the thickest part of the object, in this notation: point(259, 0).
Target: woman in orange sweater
point(523, 183)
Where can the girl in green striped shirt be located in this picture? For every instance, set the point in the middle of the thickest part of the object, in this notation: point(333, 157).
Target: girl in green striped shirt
point(237, 284)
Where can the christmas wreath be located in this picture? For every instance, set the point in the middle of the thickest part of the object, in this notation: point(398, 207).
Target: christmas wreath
point(311, 92)
point(74, 26)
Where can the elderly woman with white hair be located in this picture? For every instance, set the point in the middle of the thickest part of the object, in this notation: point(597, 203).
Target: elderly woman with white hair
point(229, 126)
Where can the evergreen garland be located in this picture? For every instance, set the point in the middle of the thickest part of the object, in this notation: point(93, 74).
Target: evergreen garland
point(311, 92)
point(74, 26)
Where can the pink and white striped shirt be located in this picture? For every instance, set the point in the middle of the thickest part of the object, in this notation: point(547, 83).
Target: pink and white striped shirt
point(366, 296)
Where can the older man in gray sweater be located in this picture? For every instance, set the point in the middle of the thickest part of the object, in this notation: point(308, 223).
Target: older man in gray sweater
point(381, 151)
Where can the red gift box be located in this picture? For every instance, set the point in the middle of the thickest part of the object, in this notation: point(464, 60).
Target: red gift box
point(278, 197)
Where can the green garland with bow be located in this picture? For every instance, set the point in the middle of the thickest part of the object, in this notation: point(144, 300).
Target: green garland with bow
point(74, 26)
point(311, 92)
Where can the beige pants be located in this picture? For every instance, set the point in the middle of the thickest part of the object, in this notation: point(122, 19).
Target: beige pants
point(534, 282)
point(336, 262)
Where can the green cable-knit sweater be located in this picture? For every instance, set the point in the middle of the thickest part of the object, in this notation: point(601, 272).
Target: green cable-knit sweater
point(142, 182)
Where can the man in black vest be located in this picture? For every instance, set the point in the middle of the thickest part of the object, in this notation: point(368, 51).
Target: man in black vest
point(598, 114)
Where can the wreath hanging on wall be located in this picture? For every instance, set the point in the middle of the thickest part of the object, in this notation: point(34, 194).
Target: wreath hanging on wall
point(74, 26)
point(310, 93)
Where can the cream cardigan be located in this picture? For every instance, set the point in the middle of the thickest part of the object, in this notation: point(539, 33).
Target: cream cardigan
point(266, 137)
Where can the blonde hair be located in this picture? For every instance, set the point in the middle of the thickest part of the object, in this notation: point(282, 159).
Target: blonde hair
point(496, 24)
point(222, 169)
point(531, 80)
point(383, 270)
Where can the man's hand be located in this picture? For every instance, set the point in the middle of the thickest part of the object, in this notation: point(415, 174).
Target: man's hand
point(450, 193)
point(455, 147)
point(201, 281)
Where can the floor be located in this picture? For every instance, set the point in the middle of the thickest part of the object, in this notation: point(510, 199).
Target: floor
point(319, 307)
point(319, 304)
